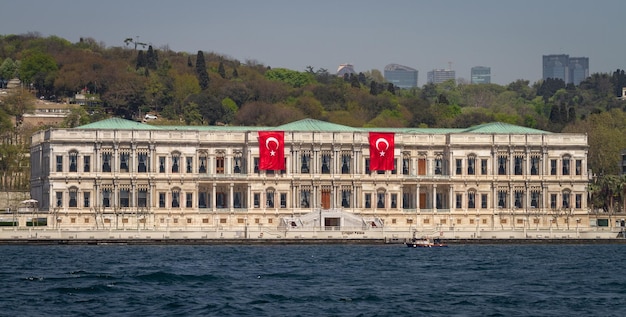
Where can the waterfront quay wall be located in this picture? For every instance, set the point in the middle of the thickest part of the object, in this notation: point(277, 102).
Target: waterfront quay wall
point(243, 235)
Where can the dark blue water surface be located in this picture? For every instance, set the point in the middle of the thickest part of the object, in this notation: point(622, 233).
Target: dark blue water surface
point(313, 280)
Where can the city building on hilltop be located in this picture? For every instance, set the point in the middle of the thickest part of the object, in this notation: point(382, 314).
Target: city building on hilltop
point(116, 174)
point(578, 69)
point(481, 75)
point(572, 70)
point(401, 76)
point(345, 69)
point(438, 76)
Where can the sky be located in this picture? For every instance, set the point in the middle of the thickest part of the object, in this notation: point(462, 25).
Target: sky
point(508, 36)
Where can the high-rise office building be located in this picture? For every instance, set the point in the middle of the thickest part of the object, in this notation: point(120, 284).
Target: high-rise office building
point(438, 76)
point(578, 69)
point(572, 70)
point(481, 75)
point(401, 76)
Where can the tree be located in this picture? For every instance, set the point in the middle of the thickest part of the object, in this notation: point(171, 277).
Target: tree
point(8, 71)
point(38, 69)
point(152, 58)
point(77, 117)
point(220, 70)
point(201, 72)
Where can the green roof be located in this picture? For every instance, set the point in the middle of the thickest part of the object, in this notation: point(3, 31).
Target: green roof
point(118, 124)
point(312, 125)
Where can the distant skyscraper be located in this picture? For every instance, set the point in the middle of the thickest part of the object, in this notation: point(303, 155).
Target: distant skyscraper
point(481, 75)
point(578, 69)
point(401, 76)
point(345, 69)
point(569, 69)
point(438, 76)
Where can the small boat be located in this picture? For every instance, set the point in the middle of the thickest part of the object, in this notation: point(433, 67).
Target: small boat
point(426, 243)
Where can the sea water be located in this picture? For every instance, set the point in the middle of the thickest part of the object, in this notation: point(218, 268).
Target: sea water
point(313, 280)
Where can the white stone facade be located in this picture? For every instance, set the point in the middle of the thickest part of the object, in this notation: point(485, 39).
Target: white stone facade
point(195, 178)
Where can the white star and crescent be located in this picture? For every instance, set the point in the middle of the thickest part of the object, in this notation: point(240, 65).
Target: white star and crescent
point(267, 145)
point(382, 140)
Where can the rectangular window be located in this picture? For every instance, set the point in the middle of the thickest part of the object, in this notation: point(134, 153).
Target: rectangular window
point(106, 198)
point(483, 167)
point(256, 165)
point(368, 200)
point(579, 201)
point(73, 162)
point(202, 201)
point(534, 165)
point(394, 200)
point(553, 201)
point(471, 166)
point(380, 200)
point(345, 164)
point(142, 197)
point(471, 200)
point(59, 198)
point(519, 163)
point(124, 157)
point(73, 198)
point(189, 164)
point(367, 166)
point(565, 168)
point(405, 166)
point(325, 163)
point(502, 199)
point(345, 198)
point(142, 162)
point(459, 167)
point(566, 200)
point(552, 167)
point(483, 201)
point(502, 165)
point(237, 165)
point(519, 197)
point(438, 166)
point(305, 160)
point(86, 199)
point(269, 199)
point(175, 199)
point(124, 197)
point(106, 162)
point(59, 165)
point(219, 165)
point(161, 164)
point(86, 163)
point(459, 201)
point(188, 200)
point(175, 163)
point(257, 200)
point(395, 167)
point(534, 199)
point(283, 200)
point(579, 167)
point(162, 200)
point(304, 198)
point(203, 165)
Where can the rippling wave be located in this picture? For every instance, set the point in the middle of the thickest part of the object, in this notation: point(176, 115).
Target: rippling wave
point(313, 280)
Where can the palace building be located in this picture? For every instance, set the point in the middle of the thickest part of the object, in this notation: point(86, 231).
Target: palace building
point(118, 173)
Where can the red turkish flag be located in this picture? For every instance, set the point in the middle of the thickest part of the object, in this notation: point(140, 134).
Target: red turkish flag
point(381, 151)
point(272, 150)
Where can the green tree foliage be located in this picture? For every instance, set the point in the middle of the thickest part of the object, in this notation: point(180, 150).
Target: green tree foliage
point(201, 72)
point(77, 117)
point(38, 68)
point(291, 77)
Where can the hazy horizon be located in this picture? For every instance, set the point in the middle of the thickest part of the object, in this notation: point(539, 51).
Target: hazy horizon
point(508, 37)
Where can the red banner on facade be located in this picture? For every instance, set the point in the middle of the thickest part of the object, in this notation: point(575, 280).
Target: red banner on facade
point(271, 150)
point(381, 151)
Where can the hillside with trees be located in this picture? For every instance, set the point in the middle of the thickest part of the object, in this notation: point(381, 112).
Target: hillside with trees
point(204, 88)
